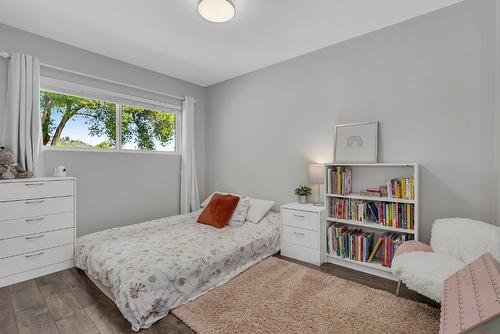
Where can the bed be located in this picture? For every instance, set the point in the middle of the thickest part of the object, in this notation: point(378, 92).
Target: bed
point(147, 269)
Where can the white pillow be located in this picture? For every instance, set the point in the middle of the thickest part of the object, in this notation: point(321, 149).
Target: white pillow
point(240, 213)
point(205, 202)
point(258, 209)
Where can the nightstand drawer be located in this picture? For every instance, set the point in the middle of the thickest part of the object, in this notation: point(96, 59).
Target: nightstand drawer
point(301, 219)
point(301, 237)
point(301, 253)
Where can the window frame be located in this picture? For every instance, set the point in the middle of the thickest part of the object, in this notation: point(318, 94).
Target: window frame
point(118, 109)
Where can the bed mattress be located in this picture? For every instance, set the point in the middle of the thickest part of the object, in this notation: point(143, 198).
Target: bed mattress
point(153, 267)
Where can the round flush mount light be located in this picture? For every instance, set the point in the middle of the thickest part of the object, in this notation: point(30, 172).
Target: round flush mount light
point(217, 11)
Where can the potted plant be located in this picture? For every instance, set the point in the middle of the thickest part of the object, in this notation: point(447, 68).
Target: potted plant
point(303, 192)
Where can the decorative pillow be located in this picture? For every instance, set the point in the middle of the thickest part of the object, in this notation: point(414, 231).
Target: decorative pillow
point(240, 214)
point(258, 209)
point(412, 246)
point(219, 210)
point(205, 202)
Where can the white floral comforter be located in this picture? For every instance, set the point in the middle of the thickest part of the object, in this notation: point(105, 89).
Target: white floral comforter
point(158, 265)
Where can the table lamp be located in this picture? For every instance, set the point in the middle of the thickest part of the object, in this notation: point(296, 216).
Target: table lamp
point(317, 177)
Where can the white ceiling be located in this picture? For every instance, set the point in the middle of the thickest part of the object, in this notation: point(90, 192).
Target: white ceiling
point(168, 36)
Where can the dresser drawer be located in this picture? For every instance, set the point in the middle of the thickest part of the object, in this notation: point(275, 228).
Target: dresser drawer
point(35, 207)
point(301, 237)
point(17, 264)
point(33, 225)
point(301, 219)
point(35, 189)
point(34, 242)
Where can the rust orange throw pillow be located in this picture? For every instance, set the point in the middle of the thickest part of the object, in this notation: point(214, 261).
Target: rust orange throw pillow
point(219, 210)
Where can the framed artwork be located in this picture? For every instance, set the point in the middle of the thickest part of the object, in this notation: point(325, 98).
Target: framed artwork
point(356, 143)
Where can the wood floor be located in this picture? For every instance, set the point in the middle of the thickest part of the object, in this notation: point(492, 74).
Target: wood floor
point(68, 302)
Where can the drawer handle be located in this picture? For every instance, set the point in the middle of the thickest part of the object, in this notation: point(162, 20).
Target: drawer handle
point(31, 184)
point(33, 255)
point(34, 220)
point(299, 216)
point(34, 202)
point(299, 234)
point(32, 237)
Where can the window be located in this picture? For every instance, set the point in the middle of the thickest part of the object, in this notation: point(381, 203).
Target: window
point(78, 122)
point(144, 129)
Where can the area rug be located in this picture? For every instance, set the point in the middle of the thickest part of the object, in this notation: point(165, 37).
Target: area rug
point(278, 296)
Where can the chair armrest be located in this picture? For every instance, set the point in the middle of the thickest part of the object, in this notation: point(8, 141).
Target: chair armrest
point(412, 246)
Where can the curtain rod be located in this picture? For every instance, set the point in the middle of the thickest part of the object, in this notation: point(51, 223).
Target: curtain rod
point(6, 55)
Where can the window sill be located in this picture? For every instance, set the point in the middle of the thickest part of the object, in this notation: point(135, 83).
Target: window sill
point(105, 150)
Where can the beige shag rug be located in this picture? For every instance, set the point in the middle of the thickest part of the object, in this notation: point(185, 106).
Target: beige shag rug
point(278, 296)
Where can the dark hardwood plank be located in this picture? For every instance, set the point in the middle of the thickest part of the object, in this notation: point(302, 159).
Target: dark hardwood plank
point(108, 319)
point(84, 290)
point(7, 319)
point(25, 295)
point(68, 315)
point(35, 320)
point(64, 308)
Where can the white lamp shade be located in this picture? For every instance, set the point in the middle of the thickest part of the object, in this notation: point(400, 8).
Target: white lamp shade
point(316, 174)
point(217, 11)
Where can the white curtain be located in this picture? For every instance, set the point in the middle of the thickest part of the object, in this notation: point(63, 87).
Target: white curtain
point(190, 199)
point(21, 128)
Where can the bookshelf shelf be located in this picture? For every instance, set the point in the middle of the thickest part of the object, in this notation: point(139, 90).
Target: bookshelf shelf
point(370, 225)
point(373, 265)
point(370, 176)
point(373, 198)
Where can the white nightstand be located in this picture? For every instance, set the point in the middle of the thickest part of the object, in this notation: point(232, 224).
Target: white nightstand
point(303, 232)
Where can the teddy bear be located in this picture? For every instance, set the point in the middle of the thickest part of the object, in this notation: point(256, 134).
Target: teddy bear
point(9, 169)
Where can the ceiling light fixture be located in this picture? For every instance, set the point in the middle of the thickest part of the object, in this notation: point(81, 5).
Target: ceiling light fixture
point(217, 11)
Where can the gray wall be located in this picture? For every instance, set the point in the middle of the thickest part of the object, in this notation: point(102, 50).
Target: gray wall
point(117, 188)
point(497, 108)
point(430, 81)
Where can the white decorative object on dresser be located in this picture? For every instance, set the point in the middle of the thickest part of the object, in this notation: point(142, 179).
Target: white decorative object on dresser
point(37, 227)
point(302, 232)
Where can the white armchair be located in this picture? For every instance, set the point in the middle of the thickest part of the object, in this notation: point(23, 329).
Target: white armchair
point(455, 242)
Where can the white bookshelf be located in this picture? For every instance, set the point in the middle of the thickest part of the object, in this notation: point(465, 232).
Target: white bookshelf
point(371, 176)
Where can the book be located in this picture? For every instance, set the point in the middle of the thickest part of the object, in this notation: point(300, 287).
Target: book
point(370, 193)
point(374, 250)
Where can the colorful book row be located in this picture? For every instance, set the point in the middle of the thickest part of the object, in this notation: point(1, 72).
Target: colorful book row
point(339, 181)
point(355, 245)
point(389, 242)
point(403, 188)
point(398, 215)
point(349, 209)
point(359, 246)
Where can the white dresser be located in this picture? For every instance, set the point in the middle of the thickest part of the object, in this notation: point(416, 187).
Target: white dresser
point(302, 232)
point(37, 227)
